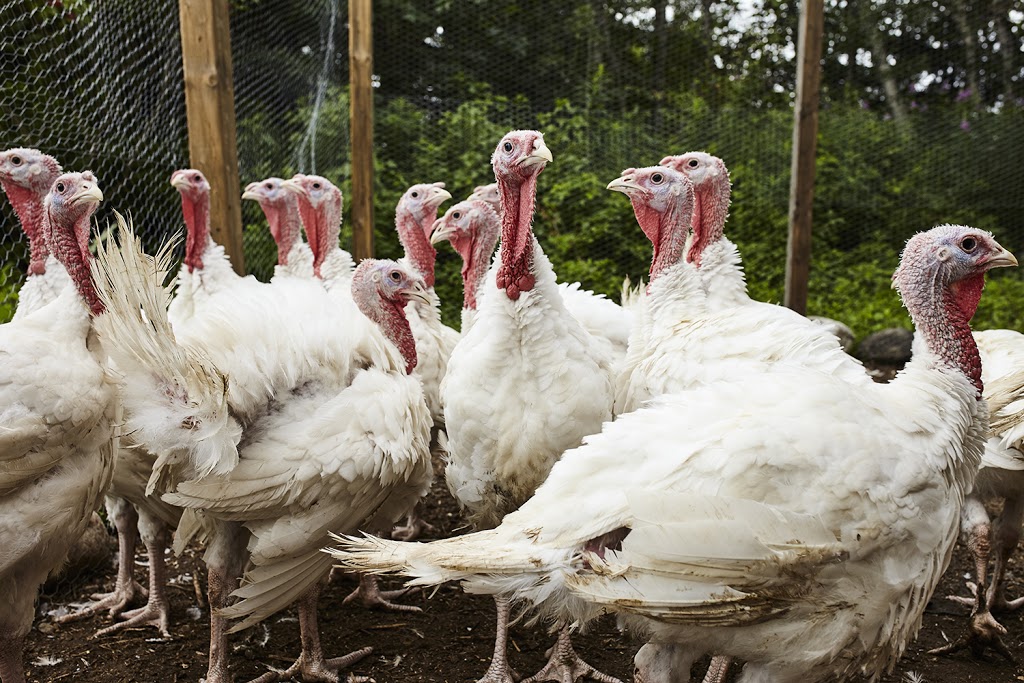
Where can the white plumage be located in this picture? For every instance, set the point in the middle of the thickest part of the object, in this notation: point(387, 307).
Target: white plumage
point(736, 520)
point(57, 434)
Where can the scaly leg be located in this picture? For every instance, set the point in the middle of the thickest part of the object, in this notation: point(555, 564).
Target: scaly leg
point(983, 631)
point(126, 588)
point(565, 666)
point(718, 670)
point(311, 665)
point(371, 596)
point(225, 559)
point(156, 612)
point(413, 527)
point(499, 671)
point(1007, 535)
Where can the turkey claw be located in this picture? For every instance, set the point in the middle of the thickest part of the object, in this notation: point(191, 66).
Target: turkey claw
point(983, 632)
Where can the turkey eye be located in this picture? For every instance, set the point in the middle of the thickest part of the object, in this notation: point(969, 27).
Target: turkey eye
point(507, 146)
point(16, 160)
point(693, 163)
point(197, 177)
point(60, 188)
point(457, 215)
point(969, 244)
point(396, 276)
point(316, 186)
point(269, 186)
point(657, 178)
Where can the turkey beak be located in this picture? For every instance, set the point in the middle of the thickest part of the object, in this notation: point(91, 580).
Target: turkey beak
point(540, 156)
point(439, 196)
point(179, 182)
point(295, 187)
point(250, 192)
point(440, 232)
point(626, 185)
point(1001, 259)
point(89, 193)
point(419, 292)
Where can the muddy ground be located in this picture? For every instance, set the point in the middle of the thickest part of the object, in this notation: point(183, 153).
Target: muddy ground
point(450, 641)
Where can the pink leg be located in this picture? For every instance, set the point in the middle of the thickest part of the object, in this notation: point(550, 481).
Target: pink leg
point(311, 664)
point(1007, 535)
point(983, 631)
point(565, 666)
point(225, 559)
point(370, 596)
point(126, 588)
point(156, 612)
point(499, 671)
point(413, 527)
point(11, 667)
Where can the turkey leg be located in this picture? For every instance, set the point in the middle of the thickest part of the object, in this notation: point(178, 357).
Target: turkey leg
point(565, 665)
point(156, 611)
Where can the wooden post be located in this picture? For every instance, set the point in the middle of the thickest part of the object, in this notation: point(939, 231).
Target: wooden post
point(805, 144)
point(210, 105)
point(360, 75)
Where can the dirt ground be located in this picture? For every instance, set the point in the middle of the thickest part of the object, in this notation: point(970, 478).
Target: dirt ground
point(450, 641)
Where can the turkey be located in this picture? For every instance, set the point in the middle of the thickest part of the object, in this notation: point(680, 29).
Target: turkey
point(525, 383)
point(294, 257)
point(1001, 477)
point(472, 227)
point(601, 317)
point(57, 434)
point(320, 204)
point(686, 337)
point(26, 176)
point(721, 520)
point(276, 421)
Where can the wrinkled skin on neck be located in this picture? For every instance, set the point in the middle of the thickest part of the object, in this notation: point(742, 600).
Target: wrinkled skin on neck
point(387, 312)
point(285, 224)
point(28, 205)
point(323, 224)
point(517, 202)
point(711, 208)
point(196, 211)
point(64, 230)
point(417, 245)
point(666, 231)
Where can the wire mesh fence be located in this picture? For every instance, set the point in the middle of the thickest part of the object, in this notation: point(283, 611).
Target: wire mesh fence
point(921, 120)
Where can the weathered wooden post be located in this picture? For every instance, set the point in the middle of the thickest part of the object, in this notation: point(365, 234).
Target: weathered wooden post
point(210, 105)
point(360, 74)
point(805, 143)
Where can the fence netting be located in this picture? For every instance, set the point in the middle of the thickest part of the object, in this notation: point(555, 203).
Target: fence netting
point(921, 122)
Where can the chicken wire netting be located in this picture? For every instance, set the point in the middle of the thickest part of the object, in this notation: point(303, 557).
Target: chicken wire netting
point(921, 120)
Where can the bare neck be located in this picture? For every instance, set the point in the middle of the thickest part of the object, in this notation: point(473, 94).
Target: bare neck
point(197, 226)
point(28, 205)
point(418, 249)
point(942, 317)
point(285, 226)
point(667, 232)
point(517, 206)
point(390, 317)
point(68, 250)
point(711, 208)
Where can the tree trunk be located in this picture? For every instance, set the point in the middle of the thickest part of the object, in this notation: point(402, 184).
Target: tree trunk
point(1008, 45)
point(892, 92)
point(660, 57)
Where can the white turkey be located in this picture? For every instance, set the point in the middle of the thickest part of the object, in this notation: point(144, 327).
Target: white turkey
point(525, 383)
point(320, 204)
point(26, 176)
point(601, 317)
point(721, 520)
point(472, 227)
point(1001, 477)
point(57, 421)
point(276, 421)
point(279, 205)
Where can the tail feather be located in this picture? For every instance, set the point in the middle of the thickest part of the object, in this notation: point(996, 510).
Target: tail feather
point(270, 588)
point(175, 397)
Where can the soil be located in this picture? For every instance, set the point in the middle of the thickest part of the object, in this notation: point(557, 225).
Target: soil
point(450, 641)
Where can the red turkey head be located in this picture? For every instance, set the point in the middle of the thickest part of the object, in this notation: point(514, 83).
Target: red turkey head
point(195, 207)
point(320, 205)
point(26, 176)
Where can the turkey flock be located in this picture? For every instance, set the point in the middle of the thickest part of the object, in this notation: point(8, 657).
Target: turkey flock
point(714, 471)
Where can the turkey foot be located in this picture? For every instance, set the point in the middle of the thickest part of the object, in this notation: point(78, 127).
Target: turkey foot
point(413, 527)
point(983, 632)
point(565, 666)
point(499, 671)
point(156, 611)
point(718, 670)
point(371, 596)
point(316, 669)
